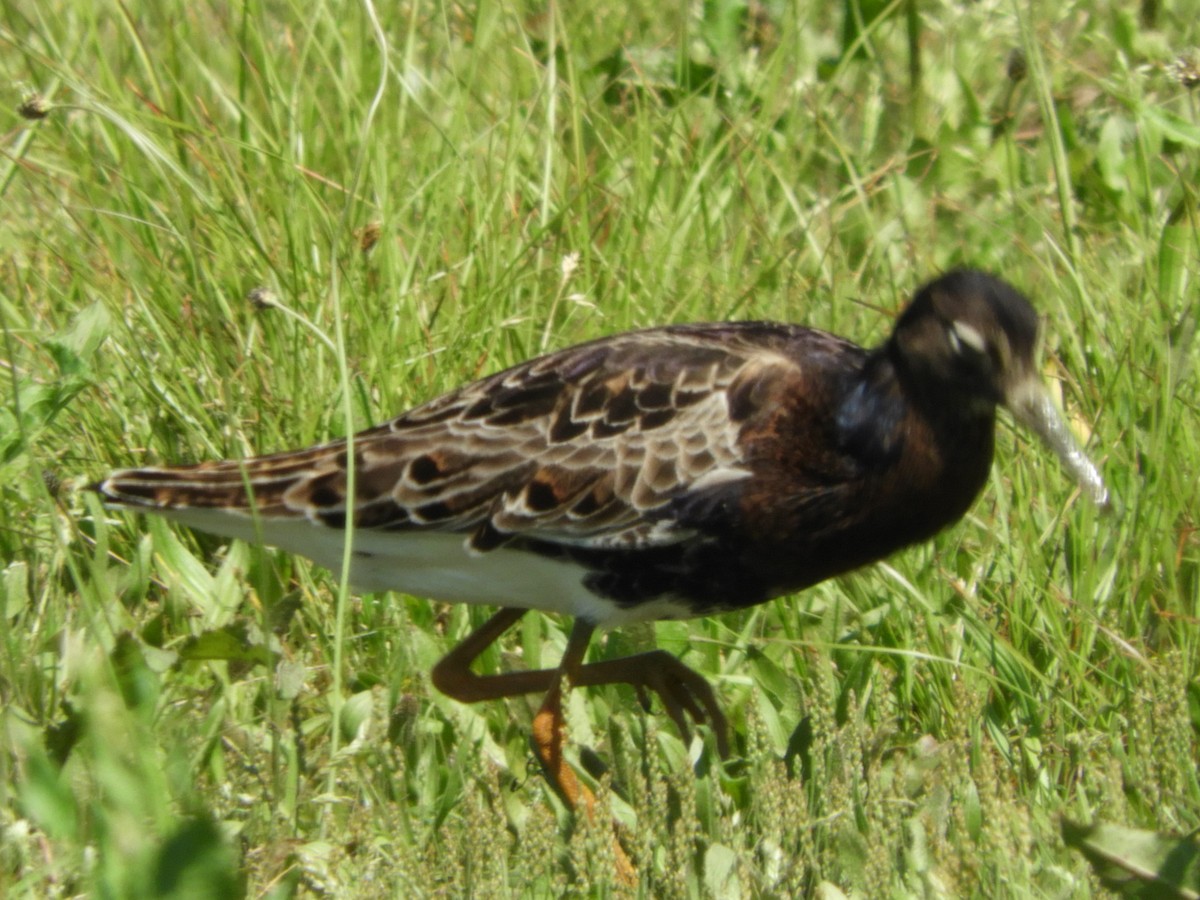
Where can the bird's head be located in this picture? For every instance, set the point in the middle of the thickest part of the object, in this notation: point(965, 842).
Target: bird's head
point(972, 340)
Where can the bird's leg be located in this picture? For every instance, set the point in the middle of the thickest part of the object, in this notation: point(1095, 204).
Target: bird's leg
point(453, 676)
point(683, 692)
point(548, 733)
point(548, 726)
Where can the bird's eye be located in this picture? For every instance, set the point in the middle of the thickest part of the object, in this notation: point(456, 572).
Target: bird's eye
point(965, 337)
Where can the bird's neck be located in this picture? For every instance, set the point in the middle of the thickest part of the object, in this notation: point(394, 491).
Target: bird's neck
point(947, 405)
point(892, 417)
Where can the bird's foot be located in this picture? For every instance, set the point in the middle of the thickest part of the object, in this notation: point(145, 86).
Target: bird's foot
point(683, 693)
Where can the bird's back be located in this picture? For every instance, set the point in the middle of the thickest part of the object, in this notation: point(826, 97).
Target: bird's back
point(629, 456)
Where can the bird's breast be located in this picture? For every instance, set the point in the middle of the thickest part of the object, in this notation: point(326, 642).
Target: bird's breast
point(815, 508)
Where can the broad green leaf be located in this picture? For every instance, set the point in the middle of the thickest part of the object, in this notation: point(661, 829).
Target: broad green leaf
point(236, 641)
point(197, 863)
point(47, 798)
point(1138, 861)
point(1172, 126)
point(720, 872)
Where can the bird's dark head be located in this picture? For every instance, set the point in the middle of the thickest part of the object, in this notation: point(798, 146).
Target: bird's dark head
point(968, 336)
point(969, 341)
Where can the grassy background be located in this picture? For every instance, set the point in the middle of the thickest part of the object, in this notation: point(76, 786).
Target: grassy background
point(916, 729)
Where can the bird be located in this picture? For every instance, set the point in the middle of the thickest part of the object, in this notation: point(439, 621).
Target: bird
point(671, 472)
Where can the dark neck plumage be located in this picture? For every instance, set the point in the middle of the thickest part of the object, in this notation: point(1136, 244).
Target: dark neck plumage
point(951, 408)
point(891, 410)
point(871, 415)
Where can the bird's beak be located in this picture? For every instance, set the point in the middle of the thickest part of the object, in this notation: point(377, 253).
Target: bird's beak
point(1031, 405)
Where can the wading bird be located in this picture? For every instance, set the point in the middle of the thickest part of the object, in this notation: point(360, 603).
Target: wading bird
point(665, 473)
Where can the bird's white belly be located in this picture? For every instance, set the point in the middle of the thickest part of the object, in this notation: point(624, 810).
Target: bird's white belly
point(437, 565)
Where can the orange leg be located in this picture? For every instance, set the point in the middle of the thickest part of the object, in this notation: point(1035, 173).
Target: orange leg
point(683, 692)
point(453, 677)
point(549, 726)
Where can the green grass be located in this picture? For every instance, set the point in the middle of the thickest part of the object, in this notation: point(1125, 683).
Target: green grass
point(915, 729)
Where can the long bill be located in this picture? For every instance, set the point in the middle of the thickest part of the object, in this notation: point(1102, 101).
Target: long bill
point(1031, 405)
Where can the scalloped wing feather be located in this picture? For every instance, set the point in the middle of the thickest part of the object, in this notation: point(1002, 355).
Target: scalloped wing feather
point(588, 447)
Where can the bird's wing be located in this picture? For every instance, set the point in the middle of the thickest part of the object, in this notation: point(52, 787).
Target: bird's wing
point(591, 446)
